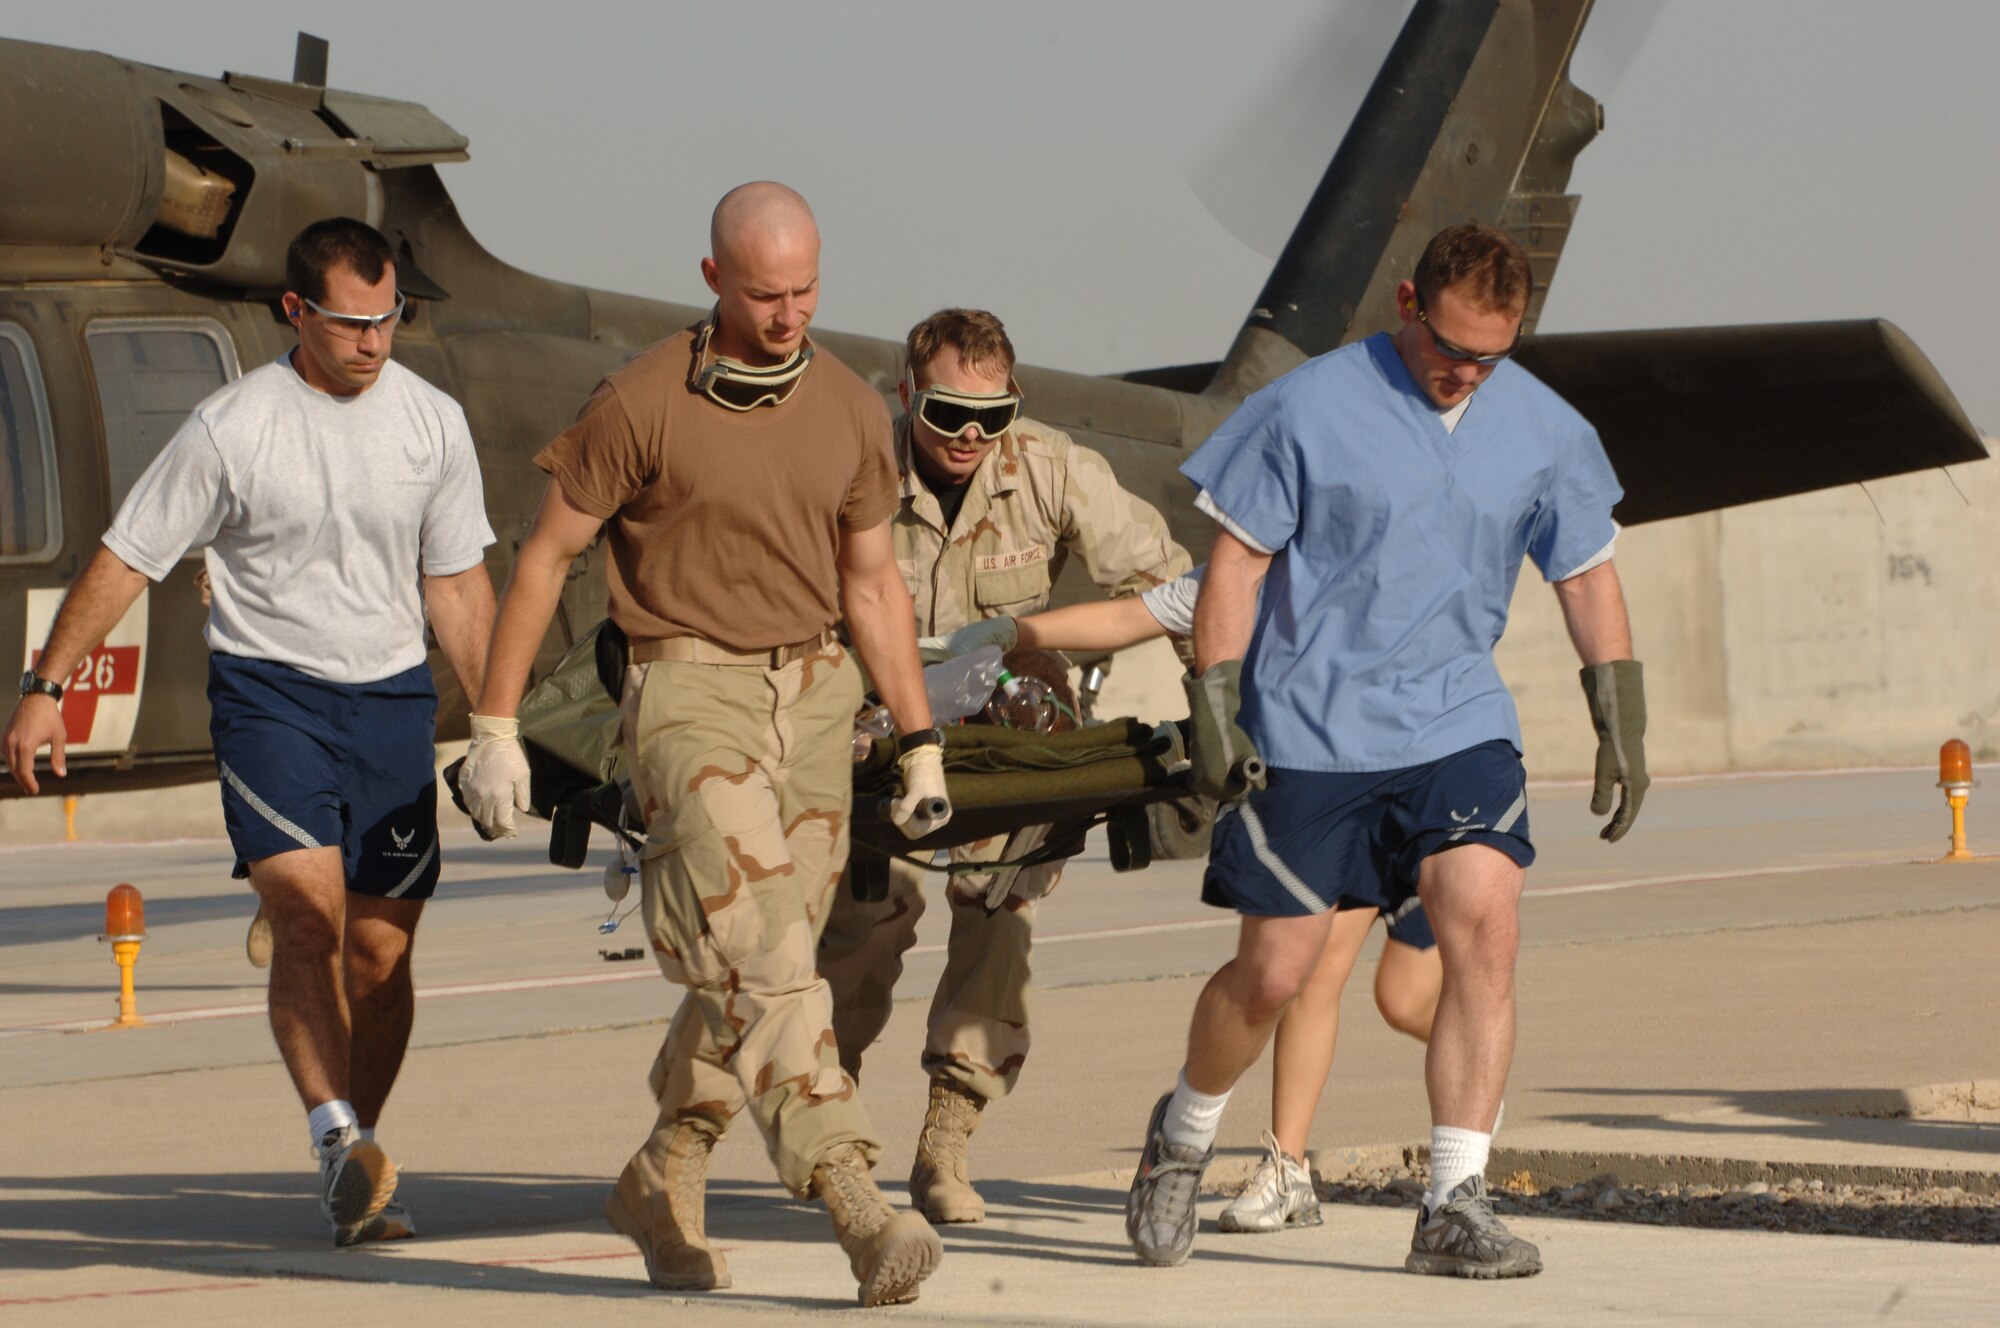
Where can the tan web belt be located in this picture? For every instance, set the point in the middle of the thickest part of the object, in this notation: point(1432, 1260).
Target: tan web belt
point(695, 650)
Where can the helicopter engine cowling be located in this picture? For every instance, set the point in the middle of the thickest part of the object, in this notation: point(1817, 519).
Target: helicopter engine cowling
point(82, 156)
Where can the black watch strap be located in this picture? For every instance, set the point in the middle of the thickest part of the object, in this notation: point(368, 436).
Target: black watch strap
point(909, 742)
point(32, 682)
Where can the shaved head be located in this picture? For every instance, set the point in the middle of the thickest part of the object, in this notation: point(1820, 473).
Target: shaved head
point(760, 213)
point(763, 266)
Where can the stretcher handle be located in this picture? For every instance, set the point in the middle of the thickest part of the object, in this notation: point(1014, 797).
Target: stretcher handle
point(930, 807)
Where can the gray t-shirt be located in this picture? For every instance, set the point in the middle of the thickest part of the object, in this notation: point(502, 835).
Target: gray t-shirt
point(1172, 602)
point(318, 513)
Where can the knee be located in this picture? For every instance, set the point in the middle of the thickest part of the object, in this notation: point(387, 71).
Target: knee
point(1480, 939)
point(376, 965)
point(1409, 1013)
point(303, 931)
point(1264, 995)
point(376, 978)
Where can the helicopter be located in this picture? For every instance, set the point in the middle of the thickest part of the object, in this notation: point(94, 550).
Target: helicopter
point(144, 215)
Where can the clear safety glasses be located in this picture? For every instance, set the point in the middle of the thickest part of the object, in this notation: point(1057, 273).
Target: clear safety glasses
point(951, 413)
point(1451, 350)
point(353, 327)
point(743, 387)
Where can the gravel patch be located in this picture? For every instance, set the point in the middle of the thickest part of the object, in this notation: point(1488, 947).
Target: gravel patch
point(1799, 1205)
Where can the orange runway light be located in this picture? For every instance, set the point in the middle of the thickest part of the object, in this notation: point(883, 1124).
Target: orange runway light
point(1955, 778)
point(125, 928)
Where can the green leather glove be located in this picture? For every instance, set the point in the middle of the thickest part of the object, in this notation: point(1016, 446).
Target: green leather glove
point(1617, 696)
point(1226, 764)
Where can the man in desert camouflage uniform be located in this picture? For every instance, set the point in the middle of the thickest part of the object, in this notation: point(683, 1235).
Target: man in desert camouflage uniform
point(993, 505)
point(745, 483)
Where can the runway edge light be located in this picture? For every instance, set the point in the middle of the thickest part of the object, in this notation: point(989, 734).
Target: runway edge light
point(1955, 778)
point(125, 928)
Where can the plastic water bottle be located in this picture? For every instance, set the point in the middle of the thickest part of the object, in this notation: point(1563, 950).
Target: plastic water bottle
point(962, 686)
point(870, 729)
point(1027, 704)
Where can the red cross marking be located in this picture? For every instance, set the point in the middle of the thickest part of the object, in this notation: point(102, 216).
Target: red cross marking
point(105, 671)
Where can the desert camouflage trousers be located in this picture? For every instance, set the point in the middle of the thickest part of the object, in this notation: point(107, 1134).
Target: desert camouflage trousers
point(745, 775)
point(978, 1033)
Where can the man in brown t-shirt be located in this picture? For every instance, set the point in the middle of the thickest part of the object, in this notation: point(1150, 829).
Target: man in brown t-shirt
point(744, 482)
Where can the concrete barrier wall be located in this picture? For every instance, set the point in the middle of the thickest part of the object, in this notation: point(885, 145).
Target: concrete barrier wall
point(1837, 628)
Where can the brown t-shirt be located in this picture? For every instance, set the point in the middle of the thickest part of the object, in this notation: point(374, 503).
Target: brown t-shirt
point(725, 524)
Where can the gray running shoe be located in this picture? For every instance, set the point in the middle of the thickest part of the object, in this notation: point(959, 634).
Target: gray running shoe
point(1159, 1209)
point(356, 1180)
point(1280, 1195)
point(1465, 1239)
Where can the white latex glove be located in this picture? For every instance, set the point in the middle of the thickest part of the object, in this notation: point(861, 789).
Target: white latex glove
point(494, 779)
point(1003, 631)
point(923, 779)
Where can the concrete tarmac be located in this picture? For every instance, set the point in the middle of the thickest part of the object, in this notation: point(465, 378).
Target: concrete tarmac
point(1753, 977)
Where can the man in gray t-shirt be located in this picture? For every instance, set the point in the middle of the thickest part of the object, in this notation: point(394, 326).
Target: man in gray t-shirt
point(336, 497)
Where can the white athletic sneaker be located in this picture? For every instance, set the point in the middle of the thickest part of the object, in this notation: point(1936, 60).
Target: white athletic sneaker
point(257, 941)
point(392, 1223)
point(1280, 1195)
point(356, 1182)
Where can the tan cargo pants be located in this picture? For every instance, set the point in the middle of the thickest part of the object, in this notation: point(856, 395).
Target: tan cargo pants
point(978, 1033)
point(745, 774)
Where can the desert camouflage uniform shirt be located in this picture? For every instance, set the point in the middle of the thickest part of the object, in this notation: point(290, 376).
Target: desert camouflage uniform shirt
point(1035, 499)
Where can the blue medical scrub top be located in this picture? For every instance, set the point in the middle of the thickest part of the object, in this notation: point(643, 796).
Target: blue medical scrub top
point(1398, 544)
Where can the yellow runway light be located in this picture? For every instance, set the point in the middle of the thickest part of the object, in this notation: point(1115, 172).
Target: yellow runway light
point(125, 928)
point(1955, 778)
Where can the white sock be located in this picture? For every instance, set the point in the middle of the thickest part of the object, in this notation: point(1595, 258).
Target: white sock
point(368, 1132)
point(328, 1117)
point(1456, 1156)
point(1192, 1117)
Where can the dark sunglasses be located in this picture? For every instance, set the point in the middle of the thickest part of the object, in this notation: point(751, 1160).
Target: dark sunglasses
point(1451, 350)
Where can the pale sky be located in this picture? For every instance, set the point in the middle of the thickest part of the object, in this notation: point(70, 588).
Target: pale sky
point(1770, 161)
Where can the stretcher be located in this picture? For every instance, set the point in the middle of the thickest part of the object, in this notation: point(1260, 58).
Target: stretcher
point(999, 780)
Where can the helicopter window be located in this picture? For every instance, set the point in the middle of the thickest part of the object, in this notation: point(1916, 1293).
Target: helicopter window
point(30, 521)
point(151, 373)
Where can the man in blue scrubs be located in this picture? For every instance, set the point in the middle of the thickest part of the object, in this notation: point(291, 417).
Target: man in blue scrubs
point(1383, 497)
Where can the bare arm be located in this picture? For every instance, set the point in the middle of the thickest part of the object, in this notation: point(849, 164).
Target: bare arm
point(1226, 614)
point(1103, 625)
point(561, 531)
point(883, 624)
point(93, 607)
point(1593, 608)
point(460, 607)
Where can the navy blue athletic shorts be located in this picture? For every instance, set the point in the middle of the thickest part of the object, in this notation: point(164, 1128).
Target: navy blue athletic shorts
point(1409, 926)
point(306, 763)
point(1311, 841)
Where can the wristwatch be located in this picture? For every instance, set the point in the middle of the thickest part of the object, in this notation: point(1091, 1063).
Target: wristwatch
point(32, 682)
point(909, 742)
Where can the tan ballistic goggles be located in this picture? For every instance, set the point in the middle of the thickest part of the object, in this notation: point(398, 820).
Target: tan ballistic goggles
point(353, 327)
point(735, 385)
point(951, 413)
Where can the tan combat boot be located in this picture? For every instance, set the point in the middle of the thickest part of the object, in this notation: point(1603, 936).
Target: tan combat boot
point(659, 1203)
point(890, 1252)
point(939, 1186)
